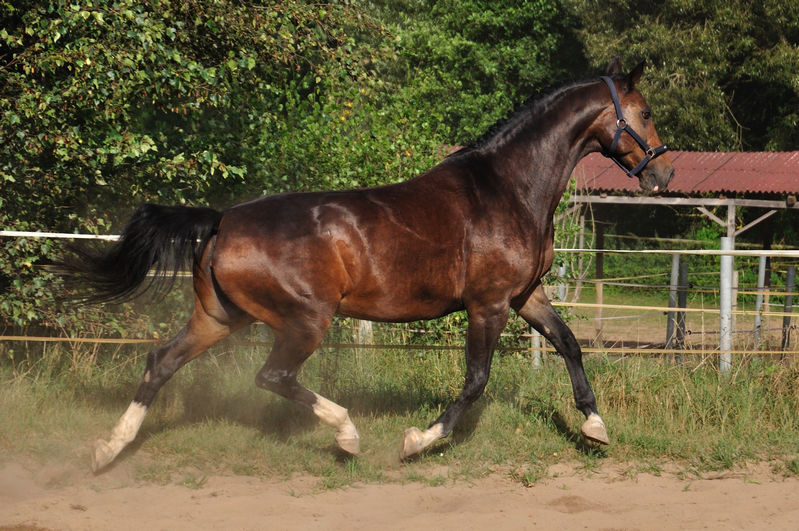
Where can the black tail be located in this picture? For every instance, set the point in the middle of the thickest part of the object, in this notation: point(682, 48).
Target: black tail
point(161, 239)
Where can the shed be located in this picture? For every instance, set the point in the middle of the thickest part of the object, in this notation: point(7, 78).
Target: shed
point(762, 180)
point(702, 174)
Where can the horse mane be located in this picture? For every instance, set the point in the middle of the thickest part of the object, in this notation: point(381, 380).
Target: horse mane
point(527, 111)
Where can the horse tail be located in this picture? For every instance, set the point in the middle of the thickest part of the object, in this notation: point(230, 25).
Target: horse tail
point(158, 239)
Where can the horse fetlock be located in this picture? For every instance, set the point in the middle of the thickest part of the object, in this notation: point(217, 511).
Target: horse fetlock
point(594, 429)
point(123, 433)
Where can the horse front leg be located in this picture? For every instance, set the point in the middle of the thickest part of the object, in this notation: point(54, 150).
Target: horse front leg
point(540, 314)
point(485, 326)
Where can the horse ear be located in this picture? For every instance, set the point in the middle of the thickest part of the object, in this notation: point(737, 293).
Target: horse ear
point(614, 67)
point(635, 75)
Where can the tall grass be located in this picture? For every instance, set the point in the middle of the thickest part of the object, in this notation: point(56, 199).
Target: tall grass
point(211, 416)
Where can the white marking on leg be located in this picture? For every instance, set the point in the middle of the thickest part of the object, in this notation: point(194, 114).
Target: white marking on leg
point(337, 417)
point(128, 426)
point(416, 440)
point(123, 433)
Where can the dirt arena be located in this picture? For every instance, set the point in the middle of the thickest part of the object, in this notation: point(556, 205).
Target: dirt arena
point(612, 497)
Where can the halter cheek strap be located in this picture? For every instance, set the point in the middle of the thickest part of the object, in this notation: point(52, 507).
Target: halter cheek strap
point(622, 127)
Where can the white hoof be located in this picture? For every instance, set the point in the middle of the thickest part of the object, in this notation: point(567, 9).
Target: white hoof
point(594, 429)
point(349, 444)
point(102, 455)
point(412, 443)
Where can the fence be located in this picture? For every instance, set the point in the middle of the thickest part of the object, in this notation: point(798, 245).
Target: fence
point(601, 340)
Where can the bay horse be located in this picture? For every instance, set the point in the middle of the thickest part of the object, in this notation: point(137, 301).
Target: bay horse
point(475, 232)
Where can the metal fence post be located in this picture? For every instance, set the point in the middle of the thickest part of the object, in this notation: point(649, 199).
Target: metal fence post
point(786, 319)
point(725, 299)
point(682, 302)
point(761, 285)
point(675, 271)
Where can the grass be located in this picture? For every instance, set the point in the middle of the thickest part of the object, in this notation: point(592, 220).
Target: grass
point(212, 419)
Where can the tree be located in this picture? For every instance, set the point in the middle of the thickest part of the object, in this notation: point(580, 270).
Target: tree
point(723, 73)
point(105, 104)
point(466, 63)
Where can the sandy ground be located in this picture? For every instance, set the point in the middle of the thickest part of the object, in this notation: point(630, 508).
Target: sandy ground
point(609, 498)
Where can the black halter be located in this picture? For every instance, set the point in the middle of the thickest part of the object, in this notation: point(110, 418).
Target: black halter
point(621, 124)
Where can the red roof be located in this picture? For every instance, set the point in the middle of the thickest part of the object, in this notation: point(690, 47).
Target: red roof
point(701, 173)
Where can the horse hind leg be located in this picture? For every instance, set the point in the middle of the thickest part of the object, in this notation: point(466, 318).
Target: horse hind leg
point(198, 335)
point(279, 375)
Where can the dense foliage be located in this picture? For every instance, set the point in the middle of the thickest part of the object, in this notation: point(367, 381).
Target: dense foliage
point(108, 103)
point(124, 101)
point(468, 62)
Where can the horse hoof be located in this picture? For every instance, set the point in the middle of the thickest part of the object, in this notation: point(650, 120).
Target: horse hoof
point(594, 429)
point(102, 455)
point(412, 443)
point(351, 445)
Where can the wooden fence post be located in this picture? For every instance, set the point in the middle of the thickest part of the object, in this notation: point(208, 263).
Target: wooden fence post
point(536, 342)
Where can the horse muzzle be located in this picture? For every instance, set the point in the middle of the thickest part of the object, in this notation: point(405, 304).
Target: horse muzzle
point(656, 177)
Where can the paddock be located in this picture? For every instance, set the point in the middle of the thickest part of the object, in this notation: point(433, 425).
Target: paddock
point(611, 497)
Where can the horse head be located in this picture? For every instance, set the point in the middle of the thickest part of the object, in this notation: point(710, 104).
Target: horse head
point(626, 131)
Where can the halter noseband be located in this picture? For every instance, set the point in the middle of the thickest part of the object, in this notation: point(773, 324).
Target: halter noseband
point(621, 126)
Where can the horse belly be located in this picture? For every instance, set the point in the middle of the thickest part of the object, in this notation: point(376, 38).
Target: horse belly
point(415, 287)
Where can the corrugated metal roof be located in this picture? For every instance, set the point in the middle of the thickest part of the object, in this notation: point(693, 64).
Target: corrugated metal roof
point(702, 173)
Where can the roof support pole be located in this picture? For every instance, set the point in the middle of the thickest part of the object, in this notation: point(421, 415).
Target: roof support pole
point(675, 272)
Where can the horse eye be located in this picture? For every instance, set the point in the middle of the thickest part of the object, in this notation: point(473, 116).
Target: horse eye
point(646, 114)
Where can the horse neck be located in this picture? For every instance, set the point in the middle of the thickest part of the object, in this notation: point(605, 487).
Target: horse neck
point(535, 157)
